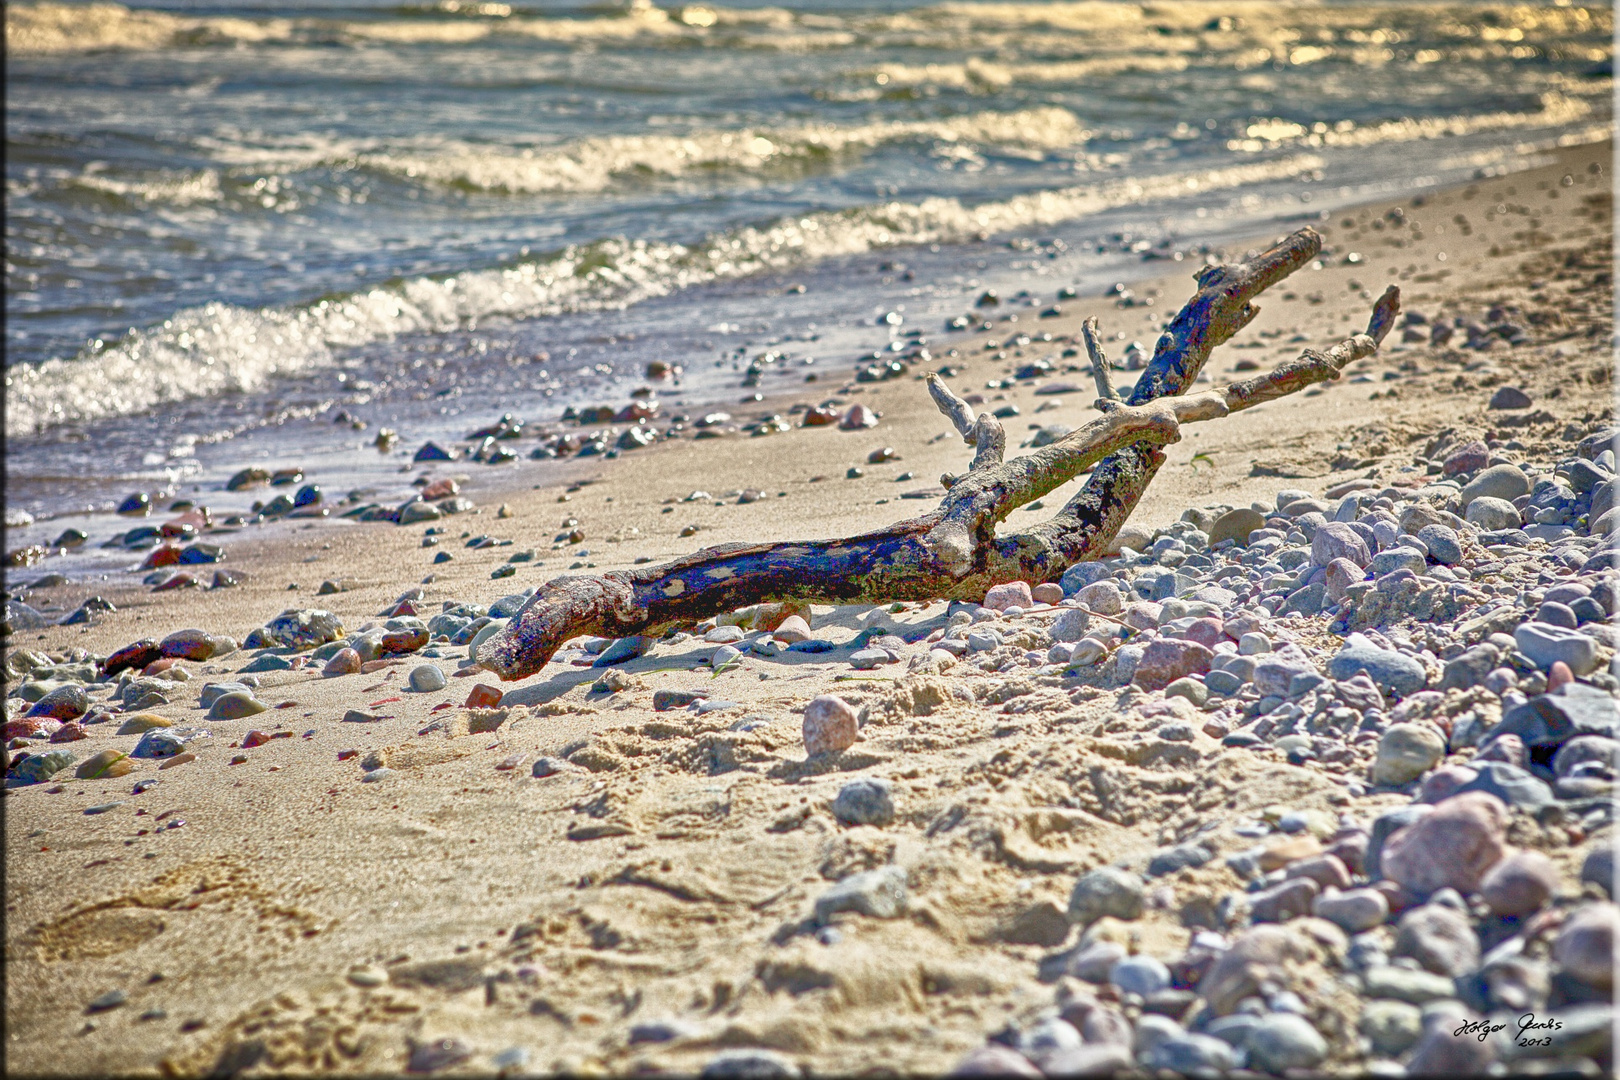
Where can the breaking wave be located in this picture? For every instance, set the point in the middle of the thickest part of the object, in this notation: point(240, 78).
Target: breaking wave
point(221, 348)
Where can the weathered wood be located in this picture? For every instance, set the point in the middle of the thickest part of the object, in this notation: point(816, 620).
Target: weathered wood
point(953, 552)
point(1100, 366)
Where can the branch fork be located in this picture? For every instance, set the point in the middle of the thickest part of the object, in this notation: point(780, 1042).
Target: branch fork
point(953, 551)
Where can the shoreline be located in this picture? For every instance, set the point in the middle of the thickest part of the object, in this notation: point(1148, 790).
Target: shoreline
point(907, 412)
point(309, 402)
point(669, 870)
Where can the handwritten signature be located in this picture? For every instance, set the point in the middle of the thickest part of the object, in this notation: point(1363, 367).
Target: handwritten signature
point(1484, 1029)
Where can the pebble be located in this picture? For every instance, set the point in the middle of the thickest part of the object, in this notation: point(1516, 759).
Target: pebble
point(1327, 870)
point(1189, 688)
point(212, 692)
point(1189, 1055)
point(1102, 597)
point(1407, 751)
point(1071, 625)
point(1167, 659)
point(1547, 645)
point(1440, 1052)
point(368, 975)
point(1520, 885)
point(1353, 910)
point(1107, 891)
point(482, 696)
point(1515, 786)
point(867, 801)
point(1047, 593)
point(1336, 540)
point(63, 703)
point(1442, 543)
point(1283, 901)
point(1389, 670)
point(1391, 1027)
point(1047, 1039)
point(112, 999)
point(858, 416)
point(166, 742)
point(427, 679)
point(267, 662)
point(304, 628)
point(1585, 947)
point(1283, 1041)
point(439, 1054)
point(1509, 397)
point(1141, 975)
point(188, 645)
point(235, 706)
point(793, 630)
point(1439, 938)
point(1490, 514)
point(1012, 594)
point(136, 655)
point(750, 1064)
point(1003, 1061)
point(830, 725)
point(879, 894)
point(1453, 846)
point(1501, 482)
point(1236, 525)
point(105, 764)
point(37, 768)
point(345, 661)
point(1411, 985)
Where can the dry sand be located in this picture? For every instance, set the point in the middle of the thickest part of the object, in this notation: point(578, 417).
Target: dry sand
point(662, 877)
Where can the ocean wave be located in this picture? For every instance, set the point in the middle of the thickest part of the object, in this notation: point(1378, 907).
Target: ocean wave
point(1243, 34)
point(175, 189)
point(594, 164)
point(221, 348)
point(1557, 110)
point(52, 29)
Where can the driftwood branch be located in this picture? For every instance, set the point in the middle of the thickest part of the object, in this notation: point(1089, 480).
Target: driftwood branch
point(953, 552)
point(1099, 360)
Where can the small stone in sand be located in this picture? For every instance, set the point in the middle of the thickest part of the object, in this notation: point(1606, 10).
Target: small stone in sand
point(427, 678)
point(830, 725)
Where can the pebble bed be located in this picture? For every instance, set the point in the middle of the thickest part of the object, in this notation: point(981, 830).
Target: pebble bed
point(1448, 641)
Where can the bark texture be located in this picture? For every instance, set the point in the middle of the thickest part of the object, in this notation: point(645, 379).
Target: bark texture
point(953, 552)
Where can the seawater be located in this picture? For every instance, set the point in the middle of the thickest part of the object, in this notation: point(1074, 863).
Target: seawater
point(228, 222)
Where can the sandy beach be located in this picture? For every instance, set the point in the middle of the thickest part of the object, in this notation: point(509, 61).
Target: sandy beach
point(651, 905)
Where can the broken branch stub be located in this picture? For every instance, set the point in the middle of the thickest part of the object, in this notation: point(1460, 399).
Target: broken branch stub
point(952, 551)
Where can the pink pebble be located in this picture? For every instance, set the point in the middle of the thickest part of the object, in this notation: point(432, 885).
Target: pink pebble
point(1168, 659)
point(1208, 632)
point(830, 725)
point(1559, 675)
point(1047, 593)
point(343, 662)
point(72, 731)
point(30, 727)
point(1012, 594)
point(1444, 782)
